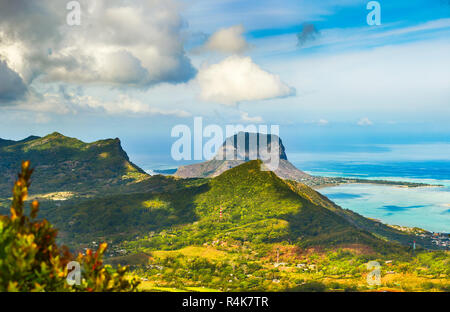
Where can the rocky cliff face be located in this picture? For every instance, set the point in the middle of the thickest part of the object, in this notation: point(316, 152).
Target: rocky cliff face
point(251, 146)
point(241, 148)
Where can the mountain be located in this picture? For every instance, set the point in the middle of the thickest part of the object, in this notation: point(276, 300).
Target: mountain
point(12, 142)
point(64, 164)
point(257, 202)
point(256, 206)
point(248, 195)
point(241, 151)
point(93, 191)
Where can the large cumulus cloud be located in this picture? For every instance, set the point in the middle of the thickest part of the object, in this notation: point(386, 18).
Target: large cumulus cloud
point(124, 43)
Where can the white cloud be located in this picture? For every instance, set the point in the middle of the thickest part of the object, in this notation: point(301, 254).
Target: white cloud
point(126, 104)
point(237, 79)
point(364, 122)
point(247, 119)
point(123, 67)
point(227, 40)
point(69, 102)
point(320, 122)
point(118, 43)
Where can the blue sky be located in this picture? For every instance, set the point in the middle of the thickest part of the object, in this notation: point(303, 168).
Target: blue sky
point(133, 70)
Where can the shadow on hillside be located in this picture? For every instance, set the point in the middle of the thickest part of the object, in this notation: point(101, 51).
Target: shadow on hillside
point(316, 226)
point(123, 216)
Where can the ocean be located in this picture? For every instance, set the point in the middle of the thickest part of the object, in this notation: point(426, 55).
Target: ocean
point(424, 207)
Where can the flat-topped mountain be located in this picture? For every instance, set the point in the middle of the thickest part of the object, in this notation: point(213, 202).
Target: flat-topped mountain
point(246, 146)
point(241, 148)
point(67, 164)
point(251, 146)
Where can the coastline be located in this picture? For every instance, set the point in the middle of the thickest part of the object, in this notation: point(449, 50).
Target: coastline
point(343, 180)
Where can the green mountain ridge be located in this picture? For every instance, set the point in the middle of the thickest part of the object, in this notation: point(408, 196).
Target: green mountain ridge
point(256, 206)
point(245, 229)
point(248, 195)
point(67, 164)
point(12, 142)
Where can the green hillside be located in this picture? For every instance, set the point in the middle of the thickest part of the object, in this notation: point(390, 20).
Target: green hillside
point(272, 235)
point(64, 164)
point(166, 202)
point(256, 206)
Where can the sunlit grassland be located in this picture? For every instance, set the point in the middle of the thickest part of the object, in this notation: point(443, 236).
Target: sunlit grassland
point(193, 251)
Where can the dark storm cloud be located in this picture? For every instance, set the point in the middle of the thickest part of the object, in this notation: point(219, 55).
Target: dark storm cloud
point(31, 21)
point(12, 87)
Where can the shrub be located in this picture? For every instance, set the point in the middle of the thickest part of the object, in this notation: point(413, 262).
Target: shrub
point(334, 285)
point(312, 286)
point(428, 285)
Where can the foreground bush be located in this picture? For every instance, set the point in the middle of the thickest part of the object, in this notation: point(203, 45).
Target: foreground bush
point(30, 259)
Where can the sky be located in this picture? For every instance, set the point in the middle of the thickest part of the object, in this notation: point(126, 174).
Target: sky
point(136, 69)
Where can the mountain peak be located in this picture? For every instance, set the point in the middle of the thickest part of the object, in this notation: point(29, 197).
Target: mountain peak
point(55, 134)
point(250, 145)
point(243, 147)
point(246, 195)
point(60, 160)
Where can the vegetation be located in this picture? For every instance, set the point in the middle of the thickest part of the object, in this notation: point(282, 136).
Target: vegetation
point(245, 230)
point(273, 236)
point(256, 205)
point(30, 260)
point(253, 267)
point(67, 164)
